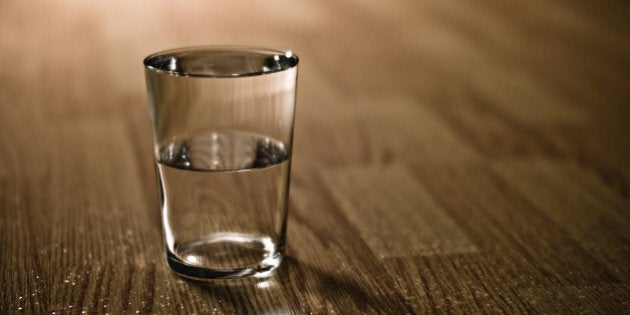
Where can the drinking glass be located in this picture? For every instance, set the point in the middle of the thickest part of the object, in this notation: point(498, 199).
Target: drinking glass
point(222, 121)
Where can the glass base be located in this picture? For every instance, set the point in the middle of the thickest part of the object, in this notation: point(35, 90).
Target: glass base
point(225, 256)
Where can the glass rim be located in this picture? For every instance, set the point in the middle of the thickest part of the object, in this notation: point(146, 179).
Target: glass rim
point(153, 61)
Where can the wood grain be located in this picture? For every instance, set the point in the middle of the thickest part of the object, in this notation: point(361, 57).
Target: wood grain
point(395, 216)
point(449, 157)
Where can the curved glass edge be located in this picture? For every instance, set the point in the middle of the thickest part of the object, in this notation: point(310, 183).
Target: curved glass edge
point(147, 65)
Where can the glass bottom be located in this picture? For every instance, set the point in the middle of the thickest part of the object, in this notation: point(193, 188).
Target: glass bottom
point(225, 256)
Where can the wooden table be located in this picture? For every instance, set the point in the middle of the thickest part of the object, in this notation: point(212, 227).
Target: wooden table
point(450, 156)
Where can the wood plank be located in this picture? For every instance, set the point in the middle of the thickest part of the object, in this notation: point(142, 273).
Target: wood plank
point(471, 283)
point(489, 139)
point(498, 219)
point(585, 299)
point(406, 130)
point(576, 201)
point(336, 256)
point(395, 216)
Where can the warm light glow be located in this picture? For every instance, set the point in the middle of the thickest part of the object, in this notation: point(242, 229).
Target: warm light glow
point(173, 64)
point(263, 284)
point(192, 259)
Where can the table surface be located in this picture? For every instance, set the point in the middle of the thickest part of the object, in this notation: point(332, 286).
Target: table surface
point(450, 156)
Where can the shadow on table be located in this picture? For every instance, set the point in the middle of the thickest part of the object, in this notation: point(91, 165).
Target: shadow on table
point(297, 288)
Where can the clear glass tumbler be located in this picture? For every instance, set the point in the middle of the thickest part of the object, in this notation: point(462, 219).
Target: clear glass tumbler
point(222, 121)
